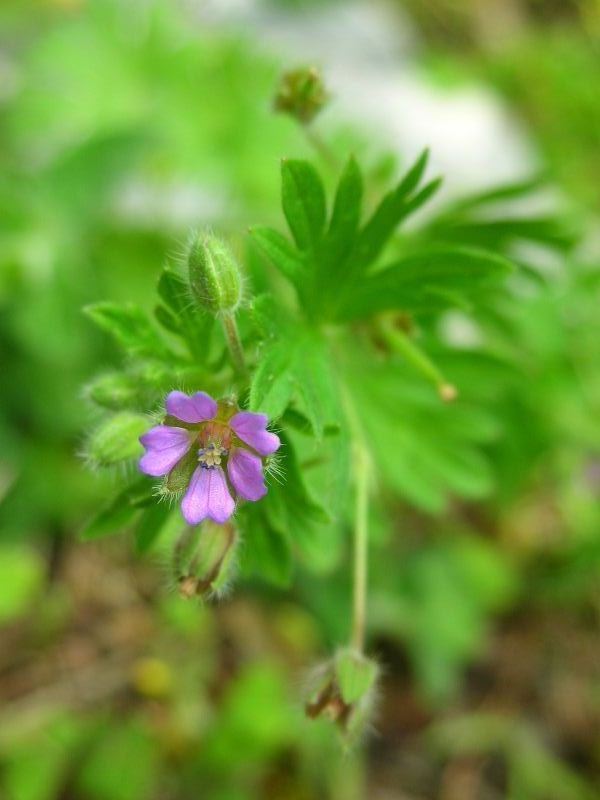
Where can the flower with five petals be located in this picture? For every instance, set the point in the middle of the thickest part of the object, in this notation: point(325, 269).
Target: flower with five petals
point(217, 448)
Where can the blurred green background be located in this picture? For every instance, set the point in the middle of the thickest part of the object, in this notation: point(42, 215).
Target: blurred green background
point(122, 124)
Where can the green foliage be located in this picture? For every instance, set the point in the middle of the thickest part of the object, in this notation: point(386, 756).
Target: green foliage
point(303, 201)
point(130, 328)
point(296, 362)
point(480, 508)
point(332, 268)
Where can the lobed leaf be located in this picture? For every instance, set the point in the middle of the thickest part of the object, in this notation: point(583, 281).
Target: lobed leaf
point(425, 280)
point(272, 382)
point(130, 327)
point(279, 251)
point(345, 217)
point(297, 362)
point(303, 200)
point(395, 207)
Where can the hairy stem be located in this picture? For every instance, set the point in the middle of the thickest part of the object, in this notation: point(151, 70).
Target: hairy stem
point(234, 343)
point(361, 539)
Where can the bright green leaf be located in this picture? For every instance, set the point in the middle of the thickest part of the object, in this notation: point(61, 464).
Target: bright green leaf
point(279, 251)
point(130, 327)
point(425, 281)
point(303, 200)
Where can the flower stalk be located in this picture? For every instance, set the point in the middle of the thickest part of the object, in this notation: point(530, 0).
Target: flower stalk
point(361, 474)
point(234, 343)
point(361, 541)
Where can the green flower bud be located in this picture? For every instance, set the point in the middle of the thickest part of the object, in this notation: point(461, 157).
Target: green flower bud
point(214, 276)
point(343, 691)
point(117, 439)
point(205, 559)
point(113, 390)
point(301, 94)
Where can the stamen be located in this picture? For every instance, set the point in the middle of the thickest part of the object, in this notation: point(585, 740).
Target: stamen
point(210, 456)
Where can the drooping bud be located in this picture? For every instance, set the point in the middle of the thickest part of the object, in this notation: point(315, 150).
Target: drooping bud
point(205, 559)
point(214, 275)
point(343, 691)
point(301, 94)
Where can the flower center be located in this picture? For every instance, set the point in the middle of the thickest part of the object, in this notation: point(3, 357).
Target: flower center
point(210, 456)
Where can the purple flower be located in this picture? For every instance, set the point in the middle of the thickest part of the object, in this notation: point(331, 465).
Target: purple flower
point(228, 448)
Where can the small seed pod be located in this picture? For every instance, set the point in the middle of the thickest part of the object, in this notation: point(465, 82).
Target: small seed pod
point(343, 691)
point(301, 94)
point(204, 559)
point(214, 275)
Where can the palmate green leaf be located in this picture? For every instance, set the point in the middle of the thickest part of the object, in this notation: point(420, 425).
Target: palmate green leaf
point(498, 194)
point(422, 448)
point(425, 281)
point(296, 364)
point(329, 259)
point(273, 380)
point(482, 220)
point(345, 217)
point(130, 327)
point(499, 233)
point(279, 251)
point(314, 384)
point(303, 201)
point(393, 209)
point(329, 268)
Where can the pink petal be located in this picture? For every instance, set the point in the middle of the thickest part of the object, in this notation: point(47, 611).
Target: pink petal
point(207, 496)
point(197, 408)
point(165, 446)
point(252, 429)
point(246, 475)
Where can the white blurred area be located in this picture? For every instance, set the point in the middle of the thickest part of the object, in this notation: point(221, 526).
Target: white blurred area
point(368, 52)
